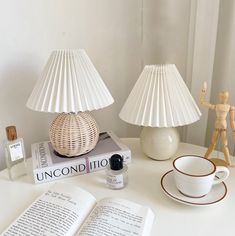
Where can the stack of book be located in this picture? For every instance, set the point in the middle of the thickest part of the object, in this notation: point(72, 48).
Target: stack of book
point(48, 166)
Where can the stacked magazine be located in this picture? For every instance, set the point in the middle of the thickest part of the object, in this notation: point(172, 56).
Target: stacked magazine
point(48, 166)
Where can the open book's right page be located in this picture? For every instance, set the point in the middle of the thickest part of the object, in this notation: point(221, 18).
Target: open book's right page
point(118, 217)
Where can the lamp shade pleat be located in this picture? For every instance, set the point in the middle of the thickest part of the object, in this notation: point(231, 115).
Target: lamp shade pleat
point(69, 83)
point(160, 98)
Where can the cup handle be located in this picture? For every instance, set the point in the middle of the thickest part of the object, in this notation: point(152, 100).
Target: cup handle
point(225, 175)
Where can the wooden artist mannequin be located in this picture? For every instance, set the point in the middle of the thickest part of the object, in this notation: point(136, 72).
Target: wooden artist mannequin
point(222, 110)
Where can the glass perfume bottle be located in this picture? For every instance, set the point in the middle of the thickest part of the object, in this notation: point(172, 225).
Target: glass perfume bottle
point(15, 154)
point(116, 173)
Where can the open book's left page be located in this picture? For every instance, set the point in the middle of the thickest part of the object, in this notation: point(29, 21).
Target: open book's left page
point(59, 211)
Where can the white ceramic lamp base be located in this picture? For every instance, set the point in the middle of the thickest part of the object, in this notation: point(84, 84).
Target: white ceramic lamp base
point(159, 143)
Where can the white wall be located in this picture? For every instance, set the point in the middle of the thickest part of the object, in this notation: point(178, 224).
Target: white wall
point(109, 30)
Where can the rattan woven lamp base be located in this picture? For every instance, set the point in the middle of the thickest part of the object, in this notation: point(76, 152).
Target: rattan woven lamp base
point(73, 134)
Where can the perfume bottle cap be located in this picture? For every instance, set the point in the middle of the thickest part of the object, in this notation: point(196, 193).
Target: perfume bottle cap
point(116, 162)
point(11, 133)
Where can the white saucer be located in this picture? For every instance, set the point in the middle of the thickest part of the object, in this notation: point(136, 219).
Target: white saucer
point(216, 195)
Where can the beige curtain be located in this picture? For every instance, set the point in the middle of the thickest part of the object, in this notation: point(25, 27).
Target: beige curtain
point(224, 62)
point(213, 60)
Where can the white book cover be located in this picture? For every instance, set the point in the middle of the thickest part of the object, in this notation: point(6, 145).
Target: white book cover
point(48, 166)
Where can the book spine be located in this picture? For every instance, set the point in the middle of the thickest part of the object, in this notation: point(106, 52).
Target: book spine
point(82, 166)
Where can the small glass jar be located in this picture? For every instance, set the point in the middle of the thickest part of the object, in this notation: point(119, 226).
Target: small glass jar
point(15, 154)
point(116, 173)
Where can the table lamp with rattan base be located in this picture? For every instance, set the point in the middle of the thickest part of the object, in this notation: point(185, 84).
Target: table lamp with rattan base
point(70, 86)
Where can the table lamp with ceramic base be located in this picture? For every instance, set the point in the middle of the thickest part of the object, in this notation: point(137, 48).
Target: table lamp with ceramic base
point(70, 86)
point(160, 101)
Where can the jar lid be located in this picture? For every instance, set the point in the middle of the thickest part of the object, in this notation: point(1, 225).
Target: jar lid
point(116, 162)
point(11, 133)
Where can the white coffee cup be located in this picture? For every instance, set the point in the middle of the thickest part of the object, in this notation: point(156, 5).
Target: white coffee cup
point(195, 176)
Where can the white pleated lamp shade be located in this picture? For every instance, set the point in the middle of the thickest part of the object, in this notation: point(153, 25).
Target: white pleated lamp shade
point(69, 83)
point(160, 98)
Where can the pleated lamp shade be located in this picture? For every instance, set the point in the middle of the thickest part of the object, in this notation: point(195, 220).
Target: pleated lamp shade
point(160, 98)
point(69, 83)
point(70, 86)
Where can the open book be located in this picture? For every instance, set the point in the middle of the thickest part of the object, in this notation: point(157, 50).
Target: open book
point(69, 210)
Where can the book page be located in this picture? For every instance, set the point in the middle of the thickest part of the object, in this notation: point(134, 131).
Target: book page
point(118, 217)
point(59, 211)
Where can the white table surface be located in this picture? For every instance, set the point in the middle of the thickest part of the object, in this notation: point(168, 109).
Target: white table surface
point(172, 218)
